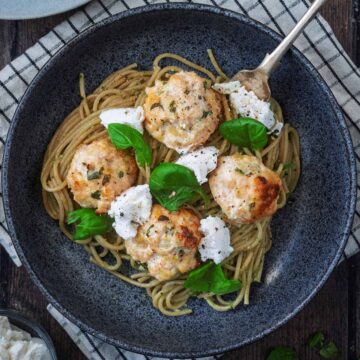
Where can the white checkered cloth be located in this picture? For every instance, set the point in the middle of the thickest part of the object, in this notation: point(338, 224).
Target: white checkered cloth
point(318, 43)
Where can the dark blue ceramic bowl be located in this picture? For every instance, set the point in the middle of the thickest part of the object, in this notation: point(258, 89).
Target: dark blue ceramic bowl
point(309, 235)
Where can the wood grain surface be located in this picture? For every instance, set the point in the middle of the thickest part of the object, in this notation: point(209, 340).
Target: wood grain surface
point(336, 308)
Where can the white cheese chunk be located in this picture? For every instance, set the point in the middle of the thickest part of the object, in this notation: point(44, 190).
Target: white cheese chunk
point(247, 104)
point(215, 245)
point(228, 87)
point(133, 117)
point(276, 130)
point(201, 161)
point(17, 344)
point(131, 209)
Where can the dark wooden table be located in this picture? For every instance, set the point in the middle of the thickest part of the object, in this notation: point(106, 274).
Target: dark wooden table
point(336, 308)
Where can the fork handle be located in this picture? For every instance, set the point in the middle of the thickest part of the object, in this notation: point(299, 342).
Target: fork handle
point(271, 61)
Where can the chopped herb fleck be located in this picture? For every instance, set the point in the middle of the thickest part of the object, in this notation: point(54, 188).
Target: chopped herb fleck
point(187, 92)
point(206, 113)
point(155, 105)
point(172, 107)
point(93, 174)
point(251, 206)
point(106, 179)
point(239, 171)
point(148, 230)
point(120, 174)
point(163, 218)
point(96, 195)
point(289, 165)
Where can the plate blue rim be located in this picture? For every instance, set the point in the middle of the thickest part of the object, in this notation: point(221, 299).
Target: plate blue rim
point(343, 131)
point(38, 12)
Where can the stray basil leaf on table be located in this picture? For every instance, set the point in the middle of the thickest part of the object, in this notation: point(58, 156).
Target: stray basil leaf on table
point(329, 351)
point(316, 340)
point(282, 353)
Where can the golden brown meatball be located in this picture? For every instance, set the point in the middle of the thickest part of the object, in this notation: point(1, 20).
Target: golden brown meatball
point(245, 189)
point(167, 242)
point(182, 113)
point(99, 172)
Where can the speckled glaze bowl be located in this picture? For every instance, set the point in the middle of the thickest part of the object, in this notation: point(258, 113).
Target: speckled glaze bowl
point(308, 235)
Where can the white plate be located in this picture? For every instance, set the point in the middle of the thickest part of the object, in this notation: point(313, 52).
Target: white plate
point(30, 9)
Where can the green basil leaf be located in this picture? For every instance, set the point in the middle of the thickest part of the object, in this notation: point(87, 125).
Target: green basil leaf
point(329, 351)
point(173, 185)
point(316, 340)
point(210, 277)
point(124, 137)
point(282, 353)
point(88, 223)
point(245, 132)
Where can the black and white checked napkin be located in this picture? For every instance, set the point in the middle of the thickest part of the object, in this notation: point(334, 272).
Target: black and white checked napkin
point(318, 43)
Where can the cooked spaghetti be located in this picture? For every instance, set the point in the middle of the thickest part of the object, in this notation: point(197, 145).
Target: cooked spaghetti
point(126, 88)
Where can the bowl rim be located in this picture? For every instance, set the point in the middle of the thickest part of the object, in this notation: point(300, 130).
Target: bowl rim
point(343, 132)
point(19, 320)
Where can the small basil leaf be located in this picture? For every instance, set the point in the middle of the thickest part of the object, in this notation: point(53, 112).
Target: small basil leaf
point(89, 223)
point(316, 340)
point(245, 132)
point(329, 351)
point(173, 185)
point(124, 137)
point(210, 277)
point(282, 353)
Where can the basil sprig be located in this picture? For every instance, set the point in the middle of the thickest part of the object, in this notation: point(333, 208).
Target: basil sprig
point(282, 353)
point(88, 223)
point(210, 277)
point(327, 349)
point(124, 137)
point(245, 132)
point(173, 185)
point(316, 340)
